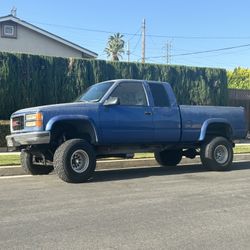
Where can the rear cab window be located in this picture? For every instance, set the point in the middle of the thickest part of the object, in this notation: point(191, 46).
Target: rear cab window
point(159, 94)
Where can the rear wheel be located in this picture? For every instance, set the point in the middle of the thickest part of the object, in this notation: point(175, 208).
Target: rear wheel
point(75, 161)
point(27, 163)
point(169, 157)
point(217, 154)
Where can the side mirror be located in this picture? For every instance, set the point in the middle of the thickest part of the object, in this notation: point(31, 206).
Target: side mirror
point(111, 101)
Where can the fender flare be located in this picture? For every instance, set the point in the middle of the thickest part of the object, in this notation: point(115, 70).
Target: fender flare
point(60, 118)
point(209, 122)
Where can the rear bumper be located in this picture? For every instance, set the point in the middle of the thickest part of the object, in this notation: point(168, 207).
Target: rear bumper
point(17, 140)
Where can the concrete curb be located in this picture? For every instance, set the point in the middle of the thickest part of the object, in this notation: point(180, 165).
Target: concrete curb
point(117, 164)
point(245, 142)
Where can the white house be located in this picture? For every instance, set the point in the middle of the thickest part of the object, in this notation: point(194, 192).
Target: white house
point(18, 36)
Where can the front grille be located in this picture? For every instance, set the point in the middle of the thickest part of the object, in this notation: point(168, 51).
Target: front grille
point(18, 123)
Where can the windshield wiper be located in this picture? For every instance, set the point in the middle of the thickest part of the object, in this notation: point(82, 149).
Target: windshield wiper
point(95, 100)
point(84, 101)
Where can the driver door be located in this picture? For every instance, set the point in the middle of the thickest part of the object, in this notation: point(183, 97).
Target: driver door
point(130, 121)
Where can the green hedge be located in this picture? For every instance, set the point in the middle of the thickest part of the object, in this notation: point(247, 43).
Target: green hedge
point(29, 80)
point(4, 130)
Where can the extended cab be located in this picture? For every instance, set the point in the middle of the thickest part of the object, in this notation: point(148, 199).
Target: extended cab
point(119, 117)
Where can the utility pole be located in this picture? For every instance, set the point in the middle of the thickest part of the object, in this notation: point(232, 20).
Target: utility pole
point(168, 47)
point(128, 51)
point(143, 40)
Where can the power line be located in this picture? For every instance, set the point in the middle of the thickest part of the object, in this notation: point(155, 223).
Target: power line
point(147, 35)
point(135, 34)
point(128, 44)
point(201, 37)
point(77, 28)
point(223, 53)
point(213, 50)
point(136, 45)
point(205, 51)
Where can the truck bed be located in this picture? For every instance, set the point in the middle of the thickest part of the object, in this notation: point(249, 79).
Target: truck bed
point(193, 118)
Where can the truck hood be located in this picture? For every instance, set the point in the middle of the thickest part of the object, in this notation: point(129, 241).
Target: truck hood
point(63, 111)
point(62, 108)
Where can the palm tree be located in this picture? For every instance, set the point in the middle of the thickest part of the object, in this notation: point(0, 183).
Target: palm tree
point(115, 47)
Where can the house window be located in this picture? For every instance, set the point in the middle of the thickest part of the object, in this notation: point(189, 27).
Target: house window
point(9, 30)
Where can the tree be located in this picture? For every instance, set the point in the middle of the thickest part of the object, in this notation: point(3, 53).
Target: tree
point(239, 78)
point(115, 47)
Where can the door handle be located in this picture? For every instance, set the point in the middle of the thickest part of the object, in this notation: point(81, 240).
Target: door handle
point(148, 113)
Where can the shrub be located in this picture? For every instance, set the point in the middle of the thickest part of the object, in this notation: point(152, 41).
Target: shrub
point(30, 80)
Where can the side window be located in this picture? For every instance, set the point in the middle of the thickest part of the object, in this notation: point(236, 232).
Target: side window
point(159, 95)
point(130, 94)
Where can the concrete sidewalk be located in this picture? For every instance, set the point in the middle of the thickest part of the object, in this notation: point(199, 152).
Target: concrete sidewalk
point(116, 164)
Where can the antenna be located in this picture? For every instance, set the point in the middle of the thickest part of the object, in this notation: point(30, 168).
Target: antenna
point(143, 40)
point(128, 51)
point(13, 11)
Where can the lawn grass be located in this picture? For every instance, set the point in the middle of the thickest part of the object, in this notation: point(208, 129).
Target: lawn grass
point(239, 149)
point(242, 149)
point(14, 159)
point(8, 160)
point(4, 122)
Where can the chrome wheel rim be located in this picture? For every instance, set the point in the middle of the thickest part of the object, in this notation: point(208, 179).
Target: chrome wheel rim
point(79, 161)
point(221, 154)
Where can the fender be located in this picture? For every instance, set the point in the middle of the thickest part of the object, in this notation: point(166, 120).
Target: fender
point(58, 118)
point(211, 121)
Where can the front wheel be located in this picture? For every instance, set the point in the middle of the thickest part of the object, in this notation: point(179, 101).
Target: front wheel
point(75, 161)
point(29, 167)
point(217, 154)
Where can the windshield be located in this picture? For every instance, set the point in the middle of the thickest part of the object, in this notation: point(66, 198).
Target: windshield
point(95, 92)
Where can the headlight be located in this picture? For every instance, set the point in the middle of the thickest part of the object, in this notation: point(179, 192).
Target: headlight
point(30, 117)
point(30, 124)
point(34, 120)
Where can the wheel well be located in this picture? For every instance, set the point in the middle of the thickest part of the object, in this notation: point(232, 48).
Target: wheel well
point(219, 129)
point(71, 129)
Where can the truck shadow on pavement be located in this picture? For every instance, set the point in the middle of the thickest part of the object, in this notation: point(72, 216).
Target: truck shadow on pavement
point(142, 172)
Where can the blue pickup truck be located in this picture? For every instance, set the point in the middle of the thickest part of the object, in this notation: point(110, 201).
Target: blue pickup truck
point(118, 117)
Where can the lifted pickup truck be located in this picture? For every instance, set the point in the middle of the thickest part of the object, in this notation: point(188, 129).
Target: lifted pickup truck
point(119, 117)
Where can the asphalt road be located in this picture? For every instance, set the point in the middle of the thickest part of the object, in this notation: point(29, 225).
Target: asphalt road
point(146, 208)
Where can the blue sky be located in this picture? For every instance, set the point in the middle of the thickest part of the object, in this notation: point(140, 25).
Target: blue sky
point(190, 26)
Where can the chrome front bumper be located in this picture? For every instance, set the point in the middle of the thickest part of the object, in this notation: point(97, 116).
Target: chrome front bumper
point(16, 140)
